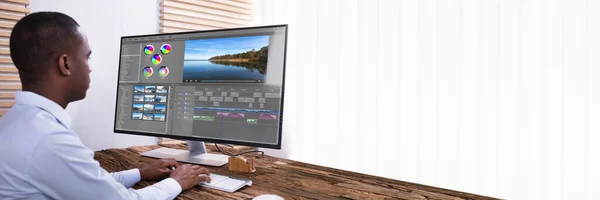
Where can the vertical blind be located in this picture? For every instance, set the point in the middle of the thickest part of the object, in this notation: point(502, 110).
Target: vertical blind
point(495, 97)
point(10, 12)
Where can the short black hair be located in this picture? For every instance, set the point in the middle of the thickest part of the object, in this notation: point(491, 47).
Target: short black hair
point(39, 38)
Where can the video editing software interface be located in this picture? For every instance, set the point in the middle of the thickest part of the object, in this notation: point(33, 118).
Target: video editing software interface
point(224, 85)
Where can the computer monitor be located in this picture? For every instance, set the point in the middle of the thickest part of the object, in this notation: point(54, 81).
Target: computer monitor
point(221, 86)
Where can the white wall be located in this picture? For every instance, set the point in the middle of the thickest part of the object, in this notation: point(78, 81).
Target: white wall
point(494, 97)
point(104, 22)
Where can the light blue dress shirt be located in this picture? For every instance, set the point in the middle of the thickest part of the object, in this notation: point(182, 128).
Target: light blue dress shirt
point(41, 158)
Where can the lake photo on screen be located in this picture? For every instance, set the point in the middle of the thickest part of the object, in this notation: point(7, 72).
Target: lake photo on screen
point(234, 58)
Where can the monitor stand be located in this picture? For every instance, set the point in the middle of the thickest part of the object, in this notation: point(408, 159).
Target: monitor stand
point(196, 154)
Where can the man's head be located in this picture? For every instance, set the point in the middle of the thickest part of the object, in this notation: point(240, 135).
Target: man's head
point(51, 53)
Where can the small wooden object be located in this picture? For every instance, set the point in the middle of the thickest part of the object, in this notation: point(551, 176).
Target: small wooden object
point(241, 164)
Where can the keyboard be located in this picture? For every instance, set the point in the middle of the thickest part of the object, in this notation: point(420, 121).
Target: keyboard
point(226, 183)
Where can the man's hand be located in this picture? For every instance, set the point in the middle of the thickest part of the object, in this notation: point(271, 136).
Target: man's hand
point(158, 169)
point(189, 176)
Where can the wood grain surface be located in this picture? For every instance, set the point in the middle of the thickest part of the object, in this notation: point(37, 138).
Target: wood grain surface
point(288, 179)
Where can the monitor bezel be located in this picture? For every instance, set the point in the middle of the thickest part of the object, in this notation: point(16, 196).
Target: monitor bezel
point(201, 139)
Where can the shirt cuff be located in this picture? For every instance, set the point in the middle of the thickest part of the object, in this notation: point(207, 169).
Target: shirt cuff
point(171, 187)
point(131, 177)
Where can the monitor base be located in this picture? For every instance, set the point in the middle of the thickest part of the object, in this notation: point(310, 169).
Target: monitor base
point(196, 154)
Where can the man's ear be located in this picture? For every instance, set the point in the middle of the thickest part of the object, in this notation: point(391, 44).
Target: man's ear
point(63, 65)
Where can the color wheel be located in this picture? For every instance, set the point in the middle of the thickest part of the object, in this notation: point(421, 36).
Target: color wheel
point(156, 59)
point(165, 48)
point(149, 49)
point(148, 71)
point(163, 71)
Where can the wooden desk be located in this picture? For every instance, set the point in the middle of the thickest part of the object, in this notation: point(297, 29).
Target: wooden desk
point(289, 179)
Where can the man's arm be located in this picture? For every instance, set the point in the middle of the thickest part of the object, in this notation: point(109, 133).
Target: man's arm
point(127, 178)
point(155, 171)
point(63, 168)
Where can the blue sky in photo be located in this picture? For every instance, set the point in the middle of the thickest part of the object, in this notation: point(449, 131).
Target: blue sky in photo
point(205, 49)
point(139, 88)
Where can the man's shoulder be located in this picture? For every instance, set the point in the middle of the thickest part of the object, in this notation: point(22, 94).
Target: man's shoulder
point(24, 128)
point(22, 131)
point(29, 121)
point(30, 137)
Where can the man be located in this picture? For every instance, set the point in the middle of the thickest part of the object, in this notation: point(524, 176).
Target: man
point(40, 156)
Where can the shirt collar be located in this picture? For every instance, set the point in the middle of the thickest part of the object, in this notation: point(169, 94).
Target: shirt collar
point(33, 99)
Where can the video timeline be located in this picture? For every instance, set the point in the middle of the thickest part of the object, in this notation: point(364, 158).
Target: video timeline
point(237, 110)
point(237, 113)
